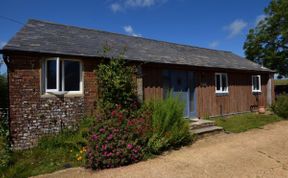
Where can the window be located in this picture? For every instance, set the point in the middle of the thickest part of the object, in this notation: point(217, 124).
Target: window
point(221, 82)
point(62, 76)
point(256, 83)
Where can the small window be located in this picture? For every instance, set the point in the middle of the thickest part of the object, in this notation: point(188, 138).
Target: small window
point(221, 82)
point(62, 75)
point(256, 83)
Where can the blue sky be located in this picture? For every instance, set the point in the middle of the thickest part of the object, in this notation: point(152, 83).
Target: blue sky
point(216, 24)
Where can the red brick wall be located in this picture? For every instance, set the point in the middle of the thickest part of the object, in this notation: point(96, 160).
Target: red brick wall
point(33, 115)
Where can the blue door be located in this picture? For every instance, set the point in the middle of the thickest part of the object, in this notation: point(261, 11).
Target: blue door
point(179, 87)
point(192, 94)
point(182, 85)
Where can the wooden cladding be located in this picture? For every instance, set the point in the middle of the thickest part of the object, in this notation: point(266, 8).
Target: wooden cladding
point(239, 98)
point(152, 83)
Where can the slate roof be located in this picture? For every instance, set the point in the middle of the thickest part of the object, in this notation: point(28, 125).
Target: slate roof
point(51, 38)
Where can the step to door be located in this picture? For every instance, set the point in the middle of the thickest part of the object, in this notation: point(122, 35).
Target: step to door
point(209, 130)
point(201, 124)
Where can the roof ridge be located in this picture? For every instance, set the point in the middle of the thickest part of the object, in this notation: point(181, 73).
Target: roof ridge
point(114, 33)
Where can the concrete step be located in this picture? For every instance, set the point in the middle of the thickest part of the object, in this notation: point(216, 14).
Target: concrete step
point(207, 130)
point(201, 124)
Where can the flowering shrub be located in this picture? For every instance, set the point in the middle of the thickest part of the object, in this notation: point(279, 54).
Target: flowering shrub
point(119, 140)
point(120, 134)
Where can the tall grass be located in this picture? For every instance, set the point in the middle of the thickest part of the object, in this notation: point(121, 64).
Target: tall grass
point(169, 128)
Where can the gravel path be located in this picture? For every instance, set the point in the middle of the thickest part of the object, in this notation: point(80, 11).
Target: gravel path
point(256, 153)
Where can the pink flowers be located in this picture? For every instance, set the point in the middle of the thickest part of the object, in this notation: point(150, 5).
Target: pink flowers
point(129, 146)
point(120, 117)
point(94, 137)
point(102, 130)
point(104, 147)
point(113, 113)
point(110, 137)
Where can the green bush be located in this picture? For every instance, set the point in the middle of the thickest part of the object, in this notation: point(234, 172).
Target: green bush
point(116, 84)
point(5, 152)
point(169, 127)
point(280, 107)
point(3, 92)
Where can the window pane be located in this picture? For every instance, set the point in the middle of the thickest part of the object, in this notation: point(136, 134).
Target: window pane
point(256, 83)
point(51, 74)
point(224, 82)
point(60, 80)
point(72, 75)
point(217, 82)
point(253, 83)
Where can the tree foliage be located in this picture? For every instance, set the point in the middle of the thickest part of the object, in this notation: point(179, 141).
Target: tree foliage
point(116, 84)
point(3, 92)
point(267, 43)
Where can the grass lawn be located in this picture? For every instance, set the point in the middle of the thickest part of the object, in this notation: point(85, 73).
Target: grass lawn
point(52, 153)
point(281, 82)
point(244, 122)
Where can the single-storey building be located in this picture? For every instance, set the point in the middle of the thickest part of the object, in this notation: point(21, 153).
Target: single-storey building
point(52, 80)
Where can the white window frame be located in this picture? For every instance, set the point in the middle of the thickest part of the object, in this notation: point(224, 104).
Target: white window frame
point(256, 91)
point(58, 89)
point(221, 87)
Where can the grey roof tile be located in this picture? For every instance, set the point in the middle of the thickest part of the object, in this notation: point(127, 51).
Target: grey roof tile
point(46, 37)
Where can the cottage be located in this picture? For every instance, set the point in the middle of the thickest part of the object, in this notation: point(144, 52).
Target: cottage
point(52, 83)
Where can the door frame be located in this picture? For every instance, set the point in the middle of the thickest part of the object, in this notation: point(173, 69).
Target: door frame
point(189, 78)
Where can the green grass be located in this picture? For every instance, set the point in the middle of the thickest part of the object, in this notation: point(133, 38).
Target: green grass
point(52, 153)
point(244, 122)
point(281, 82)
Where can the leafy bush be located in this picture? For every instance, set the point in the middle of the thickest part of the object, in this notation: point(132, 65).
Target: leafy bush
point(118, 140)
point(3, 92)
point(169, 128)
point(280, 107)
point(119, 137)
point(5, 152)
point(116, 84)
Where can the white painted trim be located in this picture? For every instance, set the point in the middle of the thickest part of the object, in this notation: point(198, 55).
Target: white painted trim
point(256, 91)
point(57, 73)
point(58, 89)
point(45, 88)
point(221, 87)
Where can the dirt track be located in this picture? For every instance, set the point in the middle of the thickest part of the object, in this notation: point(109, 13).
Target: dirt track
point(256, 153)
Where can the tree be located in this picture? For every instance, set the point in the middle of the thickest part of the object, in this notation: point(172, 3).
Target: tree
point(3, 88)
point(267, 43)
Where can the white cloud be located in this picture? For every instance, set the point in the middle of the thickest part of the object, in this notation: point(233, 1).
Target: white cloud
point(214, 44)
point(130, 31)
point(116, 7)
point(259, 18)
point(140, 3)
point(120, 5)
point(236, 27)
